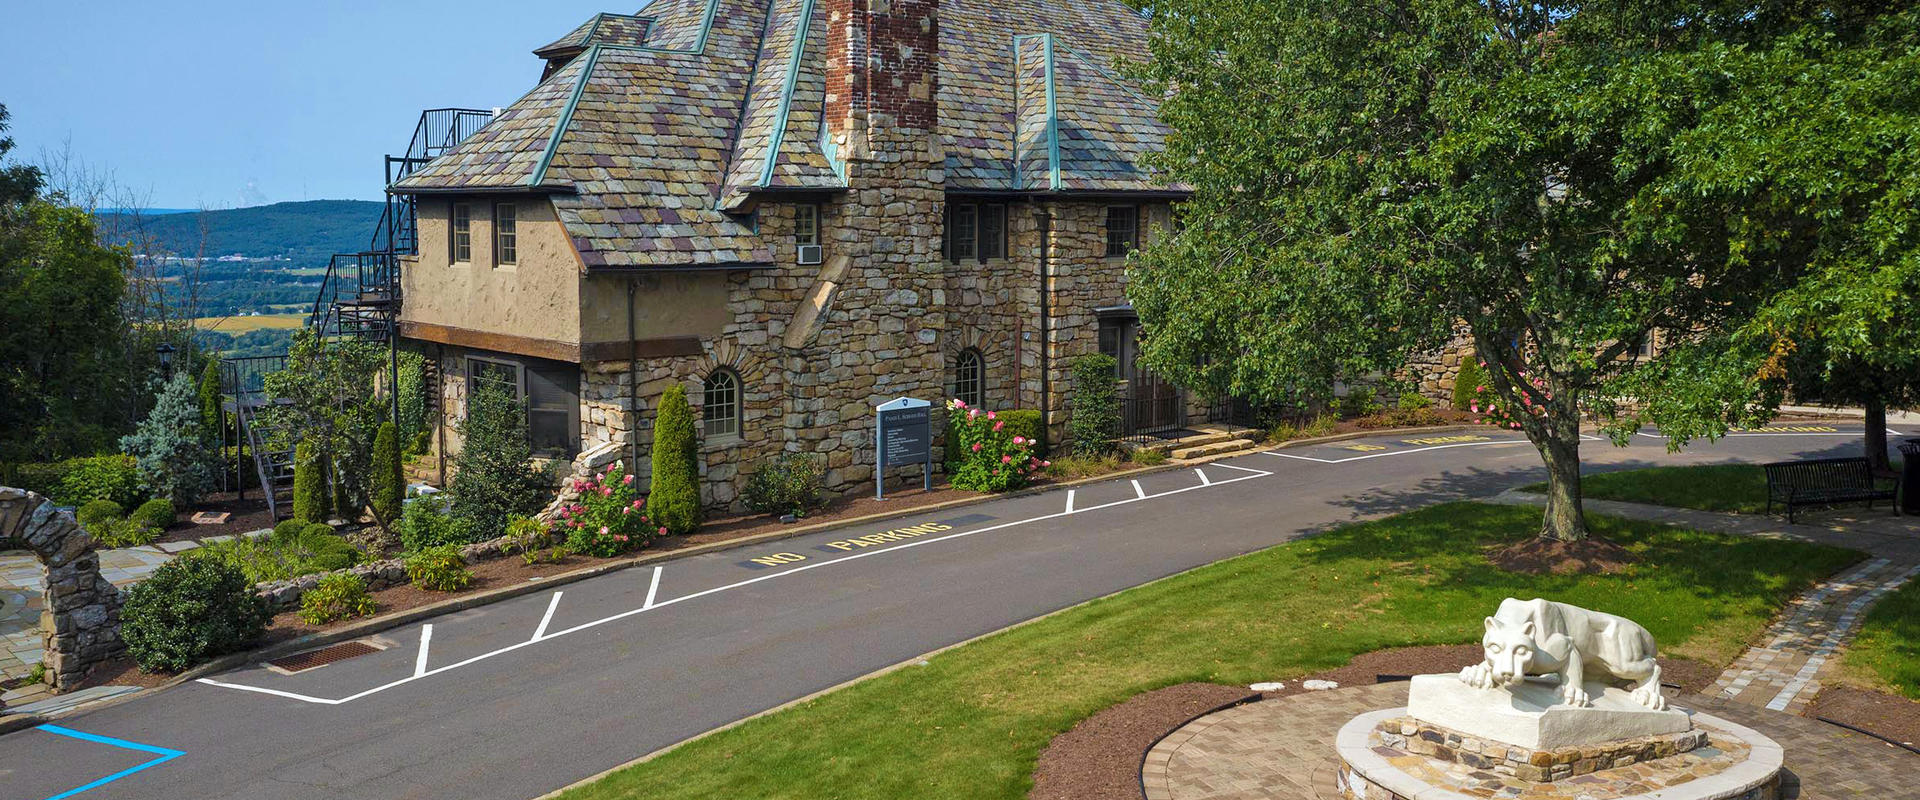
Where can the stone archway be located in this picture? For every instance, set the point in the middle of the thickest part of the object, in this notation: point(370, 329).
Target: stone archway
point(81, 620)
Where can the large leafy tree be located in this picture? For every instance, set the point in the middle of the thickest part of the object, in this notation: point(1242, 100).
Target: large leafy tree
point(1368, 174)
point(63, 373)
point(327, 402)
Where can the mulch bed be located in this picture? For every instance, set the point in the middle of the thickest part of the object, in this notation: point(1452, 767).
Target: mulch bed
point(246, 516)
point(1099, 758)
point(1883, 713)
point(1539, 555)
point(513, 570)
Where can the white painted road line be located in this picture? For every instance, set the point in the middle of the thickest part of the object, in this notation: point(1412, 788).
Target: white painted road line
point(653, 589)
point(420, 661)
point(1392, 452)
point(1069, 501)
point(901, 547)
point(1204, 481)
point(1139, 492)
point(548, 617)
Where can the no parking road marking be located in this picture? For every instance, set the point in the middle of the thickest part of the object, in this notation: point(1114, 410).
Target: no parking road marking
point(1382, 448)
point(165, 755)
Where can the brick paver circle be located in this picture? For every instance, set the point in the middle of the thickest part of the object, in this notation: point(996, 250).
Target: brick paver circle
point(1284, 748)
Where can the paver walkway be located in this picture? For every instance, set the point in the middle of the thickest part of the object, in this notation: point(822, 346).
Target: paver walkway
point(22, 583)
point(1784, 674)
point(1282, 749)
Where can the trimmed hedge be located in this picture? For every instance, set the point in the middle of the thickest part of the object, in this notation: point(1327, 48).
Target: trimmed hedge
point(1095, 423)
point(312, 500)
point(1467, 381)
point(673, 499)
point(76, 481)
point(389, 487)
point(95, 512)
point(158, 514)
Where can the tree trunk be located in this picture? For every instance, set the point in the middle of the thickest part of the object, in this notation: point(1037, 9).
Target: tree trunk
point(1877, 435)
point(1557, 436)
point(1564, 520)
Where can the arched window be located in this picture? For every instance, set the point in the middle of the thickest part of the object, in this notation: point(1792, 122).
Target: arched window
point(969, 378)
point(720, 404)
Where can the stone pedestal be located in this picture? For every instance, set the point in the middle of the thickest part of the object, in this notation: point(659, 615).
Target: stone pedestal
point(1530, 715)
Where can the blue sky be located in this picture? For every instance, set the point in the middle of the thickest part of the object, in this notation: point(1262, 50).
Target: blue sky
point(228, 104)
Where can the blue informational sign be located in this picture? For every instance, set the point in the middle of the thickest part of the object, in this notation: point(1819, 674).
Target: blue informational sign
point(902, 435)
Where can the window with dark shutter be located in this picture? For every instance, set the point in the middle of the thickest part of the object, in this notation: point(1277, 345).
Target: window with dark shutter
point(993, 232)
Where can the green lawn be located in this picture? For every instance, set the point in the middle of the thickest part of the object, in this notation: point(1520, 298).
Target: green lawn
point(971, 722)
point(1888, 646)
point(1739, 488)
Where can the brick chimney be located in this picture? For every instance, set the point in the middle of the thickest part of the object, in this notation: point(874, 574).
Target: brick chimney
point(882, 68)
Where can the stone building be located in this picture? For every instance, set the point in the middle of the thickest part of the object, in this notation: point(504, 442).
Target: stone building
point(797, 209)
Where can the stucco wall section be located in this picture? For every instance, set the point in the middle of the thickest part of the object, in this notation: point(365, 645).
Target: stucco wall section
point(668, 304)
point(538, 297)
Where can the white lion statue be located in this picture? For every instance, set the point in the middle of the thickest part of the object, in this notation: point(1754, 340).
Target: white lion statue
point(1541, 637)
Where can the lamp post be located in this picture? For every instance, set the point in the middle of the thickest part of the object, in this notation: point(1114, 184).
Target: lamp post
point(165, 351)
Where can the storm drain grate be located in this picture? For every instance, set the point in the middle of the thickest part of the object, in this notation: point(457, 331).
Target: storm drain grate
point(313, 659)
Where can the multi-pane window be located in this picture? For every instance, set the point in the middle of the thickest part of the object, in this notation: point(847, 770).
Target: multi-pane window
point(461, 243)
point(993, 232)
point(969, 378)
point(506, 236)
point(720, 404)
point(975, 230)
point(1123, 225)
point(962, 233)
point(549, 391)
point(806, 224)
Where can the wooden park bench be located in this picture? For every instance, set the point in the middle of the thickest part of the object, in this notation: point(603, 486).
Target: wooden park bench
point(1822, 481)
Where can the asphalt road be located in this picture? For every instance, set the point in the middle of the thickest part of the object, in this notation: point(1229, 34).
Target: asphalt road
point(518, 698)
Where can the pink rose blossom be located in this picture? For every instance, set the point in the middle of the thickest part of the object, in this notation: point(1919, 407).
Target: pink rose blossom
point(976, 447)
point(603, 530)
point(997, 425)
point(1006, 459)
point(959, 404)
point(1019, 440)
point(626, 510)
point(990, 415)
point(627, 479)
point(972, 412)
point(663, 530)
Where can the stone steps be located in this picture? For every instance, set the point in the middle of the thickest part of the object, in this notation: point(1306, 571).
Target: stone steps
point(1188, 451)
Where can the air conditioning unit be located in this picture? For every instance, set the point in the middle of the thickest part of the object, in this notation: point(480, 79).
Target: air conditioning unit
point(809, 254)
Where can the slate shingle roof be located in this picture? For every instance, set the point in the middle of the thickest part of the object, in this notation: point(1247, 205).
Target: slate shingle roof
point(666, 119)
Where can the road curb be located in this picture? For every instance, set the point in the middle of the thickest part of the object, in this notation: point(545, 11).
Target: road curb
point(368, 627)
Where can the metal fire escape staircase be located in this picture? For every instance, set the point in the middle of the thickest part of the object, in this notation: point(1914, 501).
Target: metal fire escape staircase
point(359, 299)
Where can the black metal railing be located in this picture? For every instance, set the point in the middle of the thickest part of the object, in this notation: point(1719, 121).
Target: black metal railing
point(1155, 416)
point(244, 378)
point(441, 129)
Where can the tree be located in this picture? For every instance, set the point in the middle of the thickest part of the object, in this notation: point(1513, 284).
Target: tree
point(63, 371)
point(1817, 375)
point(494, 478)
point(673, 499)
point(332, 407)
point(169, 447)
point(212, 419)
point(1365, 175)
point(389, 485)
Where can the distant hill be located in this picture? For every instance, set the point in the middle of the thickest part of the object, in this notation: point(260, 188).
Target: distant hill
point(306, 232)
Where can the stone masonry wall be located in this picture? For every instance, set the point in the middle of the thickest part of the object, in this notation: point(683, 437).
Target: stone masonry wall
point(81, 621)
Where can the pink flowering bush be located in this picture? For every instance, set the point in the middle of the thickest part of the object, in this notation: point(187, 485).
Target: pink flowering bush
point(983, 455)
point(1496, 412)
point(609, 518)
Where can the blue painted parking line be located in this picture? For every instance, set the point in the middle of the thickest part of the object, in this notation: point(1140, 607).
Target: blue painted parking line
point(165, 755)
